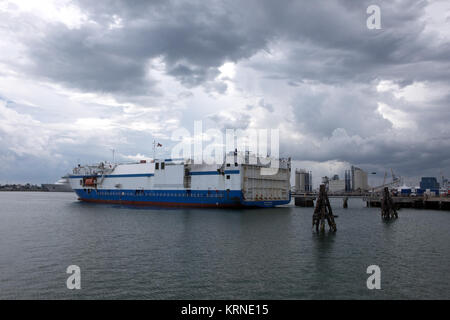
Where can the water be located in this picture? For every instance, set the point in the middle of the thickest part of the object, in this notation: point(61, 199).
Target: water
point(136, 253)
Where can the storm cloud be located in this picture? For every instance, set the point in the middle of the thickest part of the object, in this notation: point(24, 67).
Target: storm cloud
point(78, 78)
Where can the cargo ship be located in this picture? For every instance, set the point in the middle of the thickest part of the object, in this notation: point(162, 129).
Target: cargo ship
point(241, 182)
point(62, 185)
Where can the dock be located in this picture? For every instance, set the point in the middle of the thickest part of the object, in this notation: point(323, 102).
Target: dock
point(422, 202)
point(374, 200)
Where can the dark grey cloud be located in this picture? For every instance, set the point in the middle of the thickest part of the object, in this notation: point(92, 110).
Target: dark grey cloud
point(72, 59)
point(326, 41)
point(193, 39)
point(345, 124)
point(331, 43)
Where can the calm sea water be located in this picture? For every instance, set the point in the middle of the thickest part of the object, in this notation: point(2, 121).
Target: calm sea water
point(138, 253)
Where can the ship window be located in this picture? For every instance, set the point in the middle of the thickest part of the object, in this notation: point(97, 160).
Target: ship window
point(235, 164)
point(162, 165)
point(81, 182)
point(157, 166)
point(228, 164)
point(228, 177)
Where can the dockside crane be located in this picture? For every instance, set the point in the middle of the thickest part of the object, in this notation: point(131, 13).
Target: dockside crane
point(396, 180)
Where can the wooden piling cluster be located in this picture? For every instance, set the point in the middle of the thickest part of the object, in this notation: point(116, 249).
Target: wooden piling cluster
point(323, 212)
point(388, 210)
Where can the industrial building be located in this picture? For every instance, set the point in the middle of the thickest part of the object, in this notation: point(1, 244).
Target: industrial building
point(359, 179)
point(348, 181)
point(429, 183)
point(303, 180)
point(336, 184)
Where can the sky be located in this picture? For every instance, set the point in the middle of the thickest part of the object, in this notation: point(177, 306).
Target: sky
point(80, 78)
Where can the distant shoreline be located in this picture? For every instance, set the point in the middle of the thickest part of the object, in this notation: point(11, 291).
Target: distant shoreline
point(41, 190)
point(22, 187)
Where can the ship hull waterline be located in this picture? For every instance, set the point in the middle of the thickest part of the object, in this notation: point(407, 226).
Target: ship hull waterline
point(235, 200)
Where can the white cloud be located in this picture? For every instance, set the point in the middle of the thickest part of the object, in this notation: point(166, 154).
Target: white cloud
point(136, 157)
point(63, 11)
point(437, 19)
point(417, 92)
point(398, 118)
point(117, 23)
point(227, 70)
point(22, 134)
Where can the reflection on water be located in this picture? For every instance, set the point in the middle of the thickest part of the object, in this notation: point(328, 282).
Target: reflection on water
point(159, 253)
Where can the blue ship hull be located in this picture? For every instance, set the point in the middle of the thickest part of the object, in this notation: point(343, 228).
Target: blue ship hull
point(174, 198)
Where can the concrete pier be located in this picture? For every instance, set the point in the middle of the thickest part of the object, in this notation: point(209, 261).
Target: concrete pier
point(304, 201)
point(374, 200)
point(437, 203)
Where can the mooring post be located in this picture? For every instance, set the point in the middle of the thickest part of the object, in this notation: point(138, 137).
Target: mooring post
point(323, 212)
point(388, 210)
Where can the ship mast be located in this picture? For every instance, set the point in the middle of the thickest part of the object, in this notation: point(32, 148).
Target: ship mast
point(113, 155)
point(154, 149)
